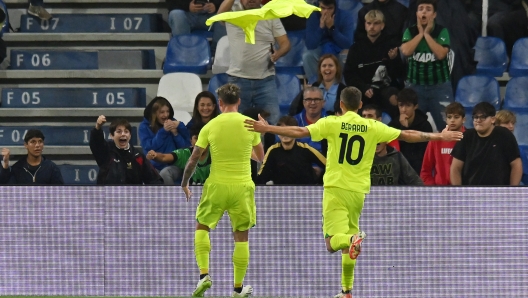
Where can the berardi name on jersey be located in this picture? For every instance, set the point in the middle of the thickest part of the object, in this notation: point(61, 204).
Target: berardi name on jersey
point(353, 127)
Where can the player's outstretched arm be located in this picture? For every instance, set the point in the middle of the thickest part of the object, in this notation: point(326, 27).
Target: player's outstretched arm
point(189, 170)
point(262, 126)
point(414, 136)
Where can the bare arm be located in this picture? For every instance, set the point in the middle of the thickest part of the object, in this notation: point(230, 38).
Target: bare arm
point(438, 50)
point(516, 171)
point(408, 48)
point(414, 136)
point(262, 126)
point(225, 6)
point(284, 47)
point(160, 157)
point(258, 153)
point(455, 172)
point(191, 165)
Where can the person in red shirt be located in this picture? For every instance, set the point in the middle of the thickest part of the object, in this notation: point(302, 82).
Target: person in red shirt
point(437, 159)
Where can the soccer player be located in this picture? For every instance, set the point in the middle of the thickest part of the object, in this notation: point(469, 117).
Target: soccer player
point(351, 146)
point(228, 188)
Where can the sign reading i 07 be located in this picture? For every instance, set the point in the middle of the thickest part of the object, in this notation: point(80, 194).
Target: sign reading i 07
point(92, 23)
point(73, 97)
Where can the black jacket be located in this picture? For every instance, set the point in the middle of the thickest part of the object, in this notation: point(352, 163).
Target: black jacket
point(395, 14)
point(364, 58)
point(118, 166)
point(184, 4)
point(47, 173)
point(414, 152)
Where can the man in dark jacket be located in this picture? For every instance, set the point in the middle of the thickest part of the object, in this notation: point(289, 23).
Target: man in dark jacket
point(188, 15)
point(395, 13)
point(373, 65)
point(390, 167)
point(118, 161)
point(33, 168)
point(411, 118)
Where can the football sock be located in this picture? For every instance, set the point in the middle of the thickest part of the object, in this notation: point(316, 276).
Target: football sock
point(240, 262)
point(347, 272)
point(340, 241)
point(202, 248)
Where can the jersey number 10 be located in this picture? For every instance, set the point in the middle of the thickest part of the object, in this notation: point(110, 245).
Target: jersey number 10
point(346, 148)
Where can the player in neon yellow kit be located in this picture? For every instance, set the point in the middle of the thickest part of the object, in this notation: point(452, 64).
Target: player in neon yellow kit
point(228, 188)
point(352, 144)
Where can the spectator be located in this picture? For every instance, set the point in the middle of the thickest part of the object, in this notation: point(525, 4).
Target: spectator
point(32, 168)
point(313, 110)
point(488, 154)
point(290, 162)
point(374, 112)
point(395, 17)
point(160, 132)
point(390, 167)
point(179, 158)
point(252, 66)
point(205, 109)
point(508, 119)
point(36, 8)
point(437, 159)
point(327, 32)
point(373, 65)
point(188, 15)
point(118, 161)
point(411, 118)
point(328, 80)
point(427, 44)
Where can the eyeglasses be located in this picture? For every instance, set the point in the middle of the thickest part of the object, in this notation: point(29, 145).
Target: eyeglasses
point(314, 100)
point(480, 117)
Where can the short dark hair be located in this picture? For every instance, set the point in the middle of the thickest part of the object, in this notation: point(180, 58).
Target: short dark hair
point(287, 121)
point(432, 2)
point(351, 98)
point(33, 133)
point(455, 108)
point(485, 108)
point(119, 122)
point(328, 2)
point(406, 96)
point(229, 93)
point(375, 108)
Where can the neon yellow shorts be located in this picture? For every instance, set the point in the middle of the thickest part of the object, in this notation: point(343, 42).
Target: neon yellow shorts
point(341, 211)
point(237, 199)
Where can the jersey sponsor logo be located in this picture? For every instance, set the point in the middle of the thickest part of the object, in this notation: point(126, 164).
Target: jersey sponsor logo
point(353, 127)
point(424, 57)
point(442, 38)
point(446, 150)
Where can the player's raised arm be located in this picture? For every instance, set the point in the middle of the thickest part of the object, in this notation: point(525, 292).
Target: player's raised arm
point(414, 136)
point(262, 126)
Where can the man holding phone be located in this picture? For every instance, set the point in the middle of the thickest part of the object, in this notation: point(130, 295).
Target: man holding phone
point(187, 15)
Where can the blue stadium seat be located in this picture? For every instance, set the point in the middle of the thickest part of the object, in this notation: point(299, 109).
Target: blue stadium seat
point(521, 127)
point(203, 33)
point(490, 52)
point(519, 59)
point(187, 53)
point(56, 135)
point(40, 97)
point(469, 117)
point(385, 118)
point(216, 81)
point(404, 2)
point(516, 96)
point(352, 7)
point(79, 174)
point(292, 62)
point(92, 23)
point(288, 86)
point(477, 88)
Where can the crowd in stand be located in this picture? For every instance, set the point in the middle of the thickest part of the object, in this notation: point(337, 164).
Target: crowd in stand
point(487, 155)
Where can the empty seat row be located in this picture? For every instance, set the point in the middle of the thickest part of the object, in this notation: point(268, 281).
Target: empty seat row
point(490, 53)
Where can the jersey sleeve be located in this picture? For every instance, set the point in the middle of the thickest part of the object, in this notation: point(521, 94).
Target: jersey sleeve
point(512, 151)
point(443, 38)
point(277, 28)
point(385, 133)
point(459, 151)
point(318, 130)
point(256, 139)
point(203, 137)
point(406, 35)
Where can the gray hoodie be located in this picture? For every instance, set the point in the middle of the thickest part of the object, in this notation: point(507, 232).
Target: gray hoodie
point(393, 169)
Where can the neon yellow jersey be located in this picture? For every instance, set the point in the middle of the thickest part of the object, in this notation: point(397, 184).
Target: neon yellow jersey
point(230, 145)
point(352, 144)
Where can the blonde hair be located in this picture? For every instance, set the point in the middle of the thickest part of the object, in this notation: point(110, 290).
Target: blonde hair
point(505, 116)
point(229, 93)
point(375, 15)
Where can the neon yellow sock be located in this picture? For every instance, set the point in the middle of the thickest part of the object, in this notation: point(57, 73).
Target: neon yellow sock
point(240, 262)
point(202, 248)
point(340, 241)
point(347, 272)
